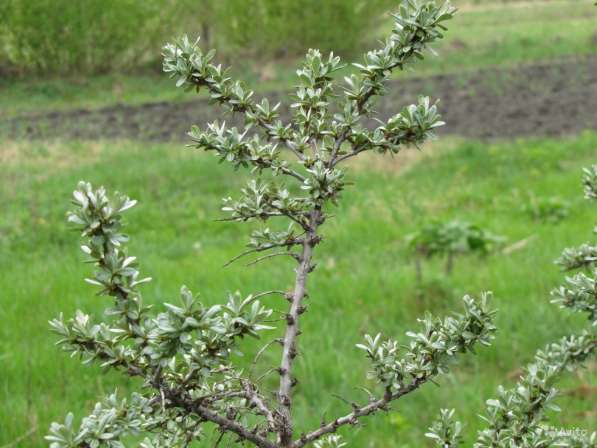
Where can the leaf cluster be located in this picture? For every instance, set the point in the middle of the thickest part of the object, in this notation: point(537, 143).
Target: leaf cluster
point(186, 347)
point(430, 349)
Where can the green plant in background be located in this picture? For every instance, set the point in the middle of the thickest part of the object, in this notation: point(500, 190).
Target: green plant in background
point(64, 37)
point(84, 37)
point(516, 418)
point(67, 37)
point(450, 239)
point(286, 28)
point(186, 355)
point(550, 209)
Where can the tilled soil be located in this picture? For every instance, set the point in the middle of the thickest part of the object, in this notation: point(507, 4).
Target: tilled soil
point(548, 99)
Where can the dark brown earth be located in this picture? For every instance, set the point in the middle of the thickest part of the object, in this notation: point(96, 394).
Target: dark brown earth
point(548, 99)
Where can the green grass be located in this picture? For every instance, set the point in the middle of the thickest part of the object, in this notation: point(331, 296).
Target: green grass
point(498, 34)
point(364, 281)
point(486, 35)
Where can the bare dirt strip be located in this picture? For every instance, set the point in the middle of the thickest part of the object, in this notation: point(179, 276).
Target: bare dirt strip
point(548, 99)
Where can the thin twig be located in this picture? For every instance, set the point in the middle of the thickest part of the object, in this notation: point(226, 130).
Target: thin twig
point(293, 173)
point(266, 373)
point(246, 218)
point(353, 153)
point(341, 398)
point(287, 243)
point(294, 218)
point(357, 413)
point(227, 424)
point(268, 293)
point(220, 437)
point(296, 153)
point(254, 398)
point(19, 439)
point(261, 352)
point(277, 254)
point(248, 252)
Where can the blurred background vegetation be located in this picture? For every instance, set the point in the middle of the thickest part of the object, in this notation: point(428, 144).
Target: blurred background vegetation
point(94, 37)
point(100, 52)
point(101, 36)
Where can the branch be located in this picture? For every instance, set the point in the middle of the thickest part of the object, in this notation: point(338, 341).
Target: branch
point(277, 254)
point(262, 249)
point(244, 218)
point(266, 215)
point(412, 126)
point(517, 411)
point(253, 397)
point(224, 423)
point(292, 217)
point(353, 153)
point(360, 108)
point(289, 350)
point(293, 173)
point(186, 62)
point(231, 146)
point(415, 28)
point(358, 412)
point(231, 426)
point(268, 293)
point(298, 155)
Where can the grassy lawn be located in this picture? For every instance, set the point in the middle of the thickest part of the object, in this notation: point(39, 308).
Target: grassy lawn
point(364, 281)
point(507, 34)
point(485, 35)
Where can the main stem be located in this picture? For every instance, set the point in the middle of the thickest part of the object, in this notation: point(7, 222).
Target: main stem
point(289, 350)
